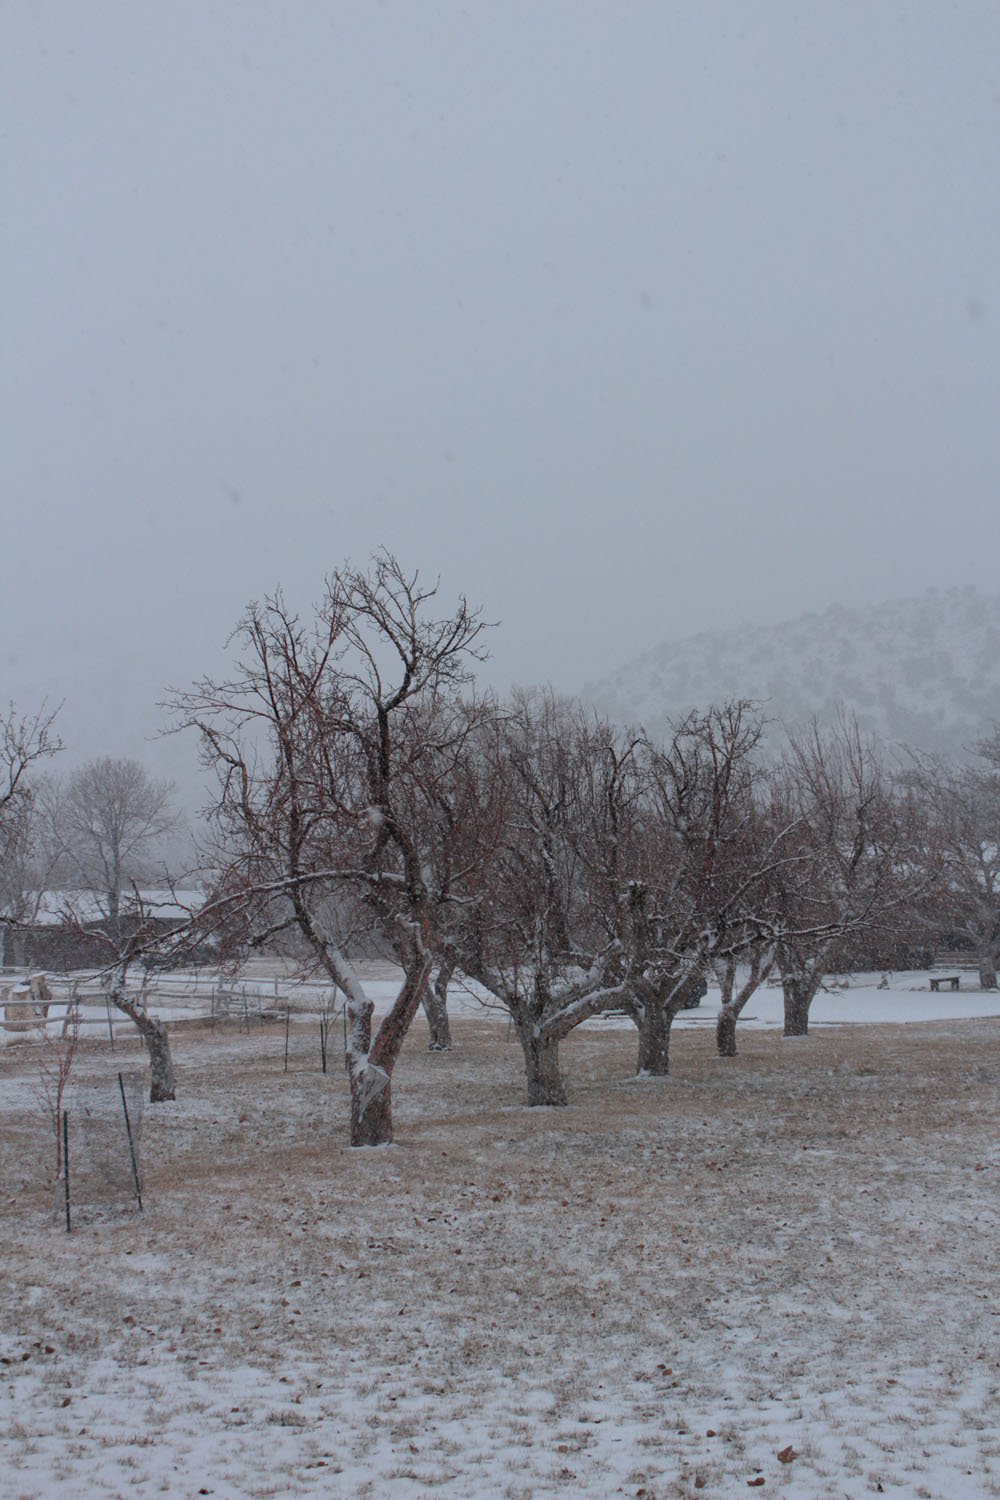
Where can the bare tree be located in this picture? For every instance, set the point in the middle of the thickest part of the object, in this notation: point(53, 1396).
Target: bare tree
point(456, 832)
point(772, 843)
point(963, 809)
point(144, 935)
point(324, 740)
point(856, 865)
point(739, 978)
point(700, 894)
point(553, 789)
point(133, 1002)
point(54, 1067)
point(24, 741)
point(111, 815)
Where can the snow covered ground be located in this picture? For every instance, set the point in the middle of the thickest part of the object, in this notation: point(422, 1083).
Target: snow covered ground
point(269, 986)
point(859, 999)
point(776, 1272)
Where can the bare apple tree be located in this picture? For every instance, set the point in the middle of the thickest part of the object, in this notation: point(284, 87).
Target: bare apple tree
point(858, 857)
point(699, 895)
point(739, 977)
point(963, 810)
point(554, 788)
point(329, 742)
point(142, 936)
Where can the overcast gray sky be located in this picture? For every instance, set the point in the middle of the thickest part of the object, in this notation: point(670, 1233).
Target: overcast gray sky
point(628, 319)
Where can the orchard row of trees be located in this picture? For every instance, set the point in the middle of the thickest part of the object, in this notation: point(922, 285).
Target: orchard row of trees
point(368, 798)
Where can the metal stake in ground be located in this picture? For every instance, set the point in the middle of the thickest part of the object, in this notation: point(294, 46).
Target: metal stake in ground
point(131, 1143)
point(288, 1013)
point(65, 1131)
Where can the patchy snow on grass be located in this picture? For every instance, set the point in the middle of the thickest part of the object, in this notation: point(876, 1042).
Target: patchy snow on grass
point(779, 1267)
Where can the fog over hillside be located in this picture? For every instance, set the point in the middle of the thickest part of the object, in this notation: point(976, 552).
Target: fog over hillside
point(923, 671)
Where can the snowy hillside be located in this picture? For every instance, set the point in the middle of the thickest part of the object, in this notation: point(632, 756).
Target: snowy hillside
point(922, 671)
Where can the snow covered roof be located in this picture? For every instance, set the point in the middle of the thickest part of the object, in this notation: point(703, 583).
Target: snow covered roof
point(51, 908)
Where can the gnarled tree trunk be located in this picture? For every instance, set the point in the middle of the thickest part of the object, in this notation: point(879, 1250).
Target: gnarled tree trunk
point(435, 1003)
point(370, 1061)
point(799, 991)
point(725, 1031)
point(654, 1021)
point(161, 1063)
point(987, 964)
point(653, 1012)
point(541, 1067)
point(153, 1032)
point(729, 1012)
point(371, 1107)
point(733, 1000)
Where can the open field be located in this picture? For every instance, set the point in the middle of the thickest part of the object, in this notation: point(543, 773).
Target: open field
point(650, 1293)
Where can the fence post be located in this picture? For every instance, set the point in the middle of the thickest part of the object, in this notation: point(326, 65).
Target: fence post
point(65, 1135)
point(131, 1143)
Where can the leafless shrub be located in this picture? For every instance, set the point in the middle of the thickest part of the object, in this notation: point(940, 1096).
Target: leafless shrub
point(54, 1066)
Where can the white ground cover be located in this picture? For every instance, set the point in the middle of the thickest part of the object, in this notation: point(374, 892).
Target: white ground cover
point(653, 1292)
point(271, 986)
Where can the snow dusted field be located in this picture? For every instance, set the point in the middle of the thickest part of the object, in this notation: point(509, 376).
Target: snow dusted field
point(651, 1293)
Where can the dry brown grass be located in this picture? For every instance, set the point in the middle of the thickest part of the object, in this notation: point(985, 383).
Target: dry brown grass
point(806, 1233)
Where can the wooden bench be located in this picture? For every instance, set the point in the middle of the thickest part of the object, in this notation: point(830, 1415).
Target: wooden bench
point(951, 980)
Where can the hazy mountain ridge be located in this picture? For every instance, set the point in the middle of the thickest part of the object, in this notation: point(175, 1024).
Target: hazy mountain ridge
point(922, 671)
